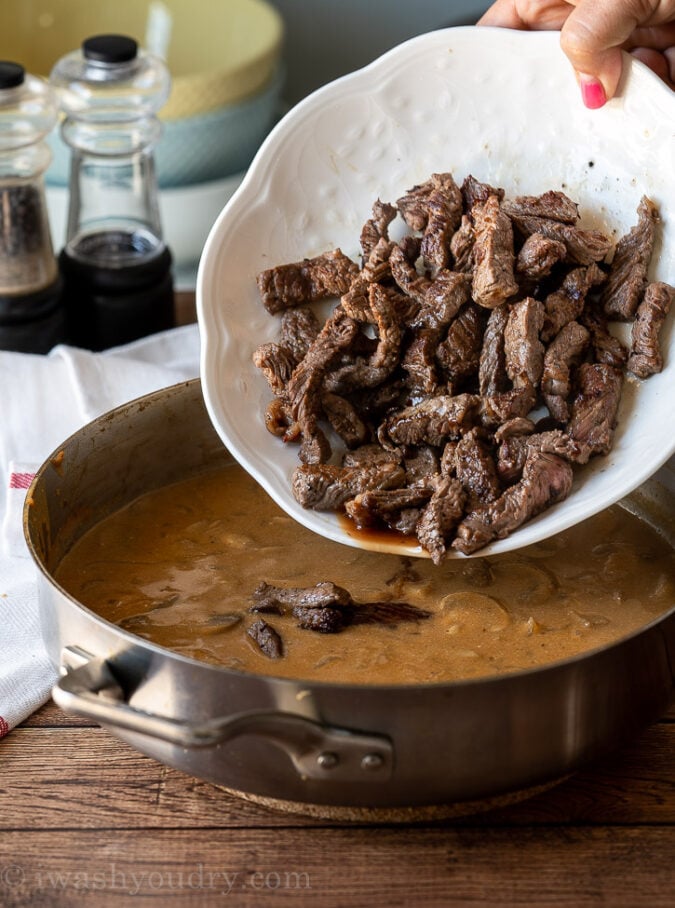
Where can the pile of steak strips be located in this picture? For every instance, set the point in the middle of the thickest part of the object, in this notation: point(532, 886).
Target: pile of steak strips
point(441, 347)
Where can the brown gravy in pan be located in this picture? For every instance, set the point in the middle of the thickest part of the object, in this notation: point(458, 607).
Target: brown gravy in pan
point(178, 567)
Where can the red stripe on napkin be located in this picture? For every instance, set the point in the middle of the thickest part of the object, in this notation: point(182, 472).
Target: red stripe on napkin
point(20, 480)
point(4, 727)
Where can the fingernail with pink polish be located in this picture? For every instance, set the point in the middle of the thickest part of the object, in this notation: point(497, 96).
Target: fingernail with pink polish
point(592, 92)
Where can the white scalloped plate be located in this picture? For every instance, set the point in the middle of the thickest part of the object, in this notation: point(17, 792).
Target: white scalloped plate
point(501, 105)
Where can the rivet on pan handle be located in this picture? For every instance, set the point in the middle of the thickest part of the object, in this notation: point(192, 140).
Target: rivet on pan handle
point(317, 751)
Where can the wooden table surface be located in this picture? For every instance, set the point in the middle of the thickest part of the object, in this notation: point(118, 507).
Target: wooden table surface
point(86, 820)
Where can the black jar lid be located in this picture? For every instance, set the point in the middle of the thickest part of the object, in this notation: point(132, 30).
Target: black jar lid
point(110, 48)
point(11, 74)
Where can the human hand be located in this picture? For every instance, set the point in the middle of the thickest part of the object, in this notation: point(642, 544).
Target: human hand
point(593, 33)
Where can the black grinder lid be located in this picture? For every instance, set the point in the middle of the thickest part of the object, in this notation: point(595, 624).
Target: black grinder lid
point(110, 48)
point(11, 74)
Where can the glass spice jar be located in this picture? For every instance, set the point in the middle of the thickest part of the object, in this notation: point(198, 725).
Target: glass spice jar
point(31, 315)
point(115, 264)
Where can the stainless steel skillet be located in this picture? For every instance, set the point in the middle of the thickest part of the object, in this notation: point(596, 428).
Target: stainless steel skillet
point(346, 750)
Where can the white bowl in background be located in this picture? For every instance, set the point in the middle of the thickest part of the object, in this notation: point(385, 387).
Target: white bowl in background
point(200, 149)
point(219, 52)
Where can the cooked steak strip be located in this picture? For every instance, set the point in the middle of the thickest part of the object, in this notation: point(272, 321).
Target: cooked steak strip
point(377, 269)
point(368, 373)
point(594, 409)
point(371, 403)
point(325, 487)
point(553, 205)
point(421, 464)
point(459, 353)
point(369, 455)
point(406, 521)
point(511, 456)
point(645, 353)
point(267, 639)
point(546, 480)
point(606, 348)
point(523, 351)
point(438, 299)
point(344, 419)
point(325, 608)
point(410, 246)
point(265, 599)
point(461, 245)
point(567, 302)
point(321, 595)
point(475, 468)
point(583, 246)
point(538, 255)
point(377, 226)
point(413, 205)
point(628, 272)
point(444, 206)
point(419, 363)
point(329, 274)
point(492, 377)
point(447, 466)
point(474, 191)
point(442, 300)
point(322, 620)
point(299, 329)
point(440, 517)
point(358, 307)
point(384, 505)
point(496, 409)
point(277, 363)
point(406, 276)
point(564, 351)
point(512, 427)
point(355, 301)
point(493, 255)
point(304, 388)
point(514, 449)
point(433, 421)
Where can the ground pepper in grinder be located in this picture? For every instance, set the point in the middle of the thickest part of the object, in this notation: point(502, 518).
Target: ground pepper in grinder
point(31, 317)
point(115, 264)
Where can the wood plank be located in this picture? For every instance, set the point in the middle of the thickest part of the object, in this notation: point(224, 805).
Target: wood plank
point(636, 784)
point(359, 867)
point(45, 772)
point(51, 716)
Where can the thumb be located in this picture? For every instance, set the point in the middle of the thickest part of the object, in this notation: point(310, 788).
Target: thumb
point(592, 38)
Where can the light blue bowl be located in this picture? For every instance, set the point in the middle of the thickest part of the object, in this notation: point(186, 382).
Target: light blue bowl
point(199, 149)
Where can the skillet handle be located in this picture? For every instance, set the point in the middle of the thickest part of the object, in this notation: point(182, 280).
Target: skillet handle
point(317, 751)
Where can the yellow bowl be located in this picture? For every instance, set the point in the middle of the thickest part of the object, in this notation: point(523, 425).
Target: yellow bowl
point(219, 52)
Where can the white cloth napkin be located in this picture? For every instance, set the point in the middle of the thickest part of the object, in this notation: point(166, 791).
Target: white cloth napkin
point(43, 400)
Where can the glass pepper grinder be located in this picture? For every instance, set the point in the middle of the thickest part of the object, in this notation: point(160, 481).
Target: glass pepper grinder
point(31, 317)
point(116, 267)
